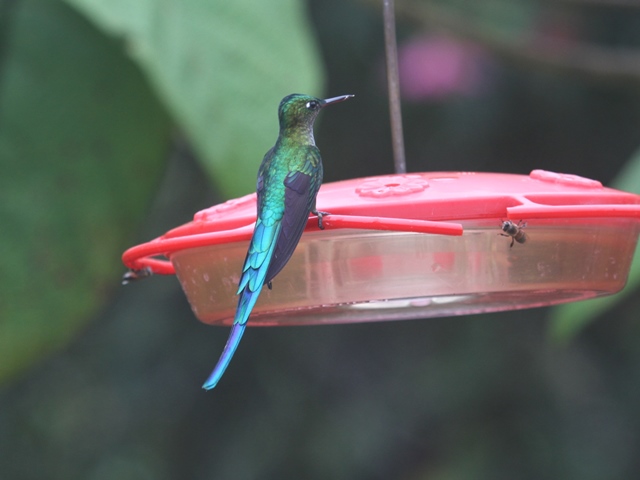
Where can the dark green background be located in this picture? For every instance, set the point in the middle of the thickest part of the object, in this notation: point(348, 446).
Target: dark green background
point(102, 148)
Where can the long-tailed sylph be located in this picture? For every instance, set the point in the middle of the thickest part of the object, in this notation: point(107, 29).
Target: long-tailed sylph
point(288, 181)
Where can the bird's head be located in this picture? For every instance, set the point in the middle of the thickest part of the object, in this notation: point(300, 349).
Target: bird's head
point(298, 111)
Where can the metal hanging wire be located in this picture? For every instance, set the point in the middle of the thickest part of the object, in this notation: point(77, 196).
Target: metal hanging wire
point(393, 80)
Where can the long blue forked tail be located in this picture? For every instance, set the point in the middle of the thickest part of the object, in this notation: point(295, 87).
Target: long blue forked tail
point(232, 343)
point(245, 305)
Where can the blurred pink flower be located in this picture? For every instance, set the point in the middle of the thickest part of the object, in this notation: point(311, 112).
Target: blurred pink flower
point(433, 68)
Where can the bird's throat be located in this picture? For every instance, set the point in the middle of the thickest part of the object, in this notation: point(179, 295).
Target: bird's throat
point(297, 135)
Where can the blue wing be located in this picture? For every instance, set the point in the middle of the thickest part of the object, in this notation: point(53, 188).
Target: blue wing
point(300, 196)
point(296, 213)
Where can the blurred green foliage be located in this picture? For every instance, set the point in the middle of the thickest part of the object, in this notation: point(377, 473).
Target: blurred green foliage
point(82, 141)
point(202, 57)
point(110, 114)
point(85, 124)
point(567, 320)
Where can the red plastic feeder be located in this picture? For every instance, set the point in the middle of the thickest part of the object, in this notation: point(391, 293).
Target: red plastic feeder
point(413, 246)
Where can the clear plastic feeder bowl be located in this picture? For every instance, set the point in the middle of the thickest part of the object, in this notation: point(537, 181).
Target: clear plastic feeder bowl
point(413, 246)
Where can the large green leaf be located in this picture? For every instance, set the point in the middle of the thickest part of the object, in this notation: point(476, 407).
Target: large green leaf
point(221, 67)
point(567, 320)
point(82, 144)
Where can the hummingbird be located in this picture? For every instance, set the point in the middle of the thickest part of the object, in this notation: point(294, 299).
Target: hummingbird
point(289, 178)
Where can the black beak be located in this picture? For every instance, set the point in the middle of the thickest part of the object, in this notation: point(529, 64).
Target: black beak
point(341, 98)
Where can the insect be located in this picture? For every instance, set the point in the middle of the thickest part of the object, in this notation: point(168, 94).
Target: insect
point(134, 275)
point(516, 232)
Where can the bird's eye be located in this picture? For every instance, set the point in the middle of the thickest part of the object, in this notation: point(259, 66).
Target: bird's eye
point(312, 105)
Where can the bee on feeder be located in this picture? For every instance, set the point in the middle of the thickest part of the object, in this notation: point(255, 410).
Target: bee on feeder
point(516, 232)
point(135, 275)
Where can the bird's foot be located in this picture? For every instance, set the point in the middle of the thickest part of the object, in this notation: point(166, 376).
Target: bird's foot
point(269, 285)
point(320, 214)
